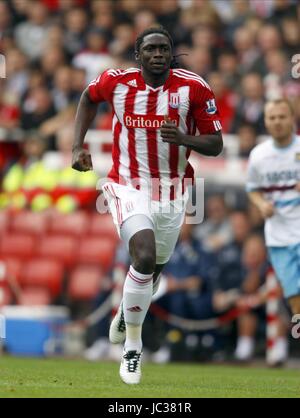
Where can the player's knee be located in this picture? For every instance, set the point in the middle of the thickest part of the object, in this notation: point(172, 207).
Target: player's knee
point(145, 261)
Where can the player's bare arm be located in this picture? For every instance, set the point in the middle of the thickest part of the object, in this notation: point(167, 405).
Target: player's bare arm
point(209, 144)
point(265, 207)
point(86, 113)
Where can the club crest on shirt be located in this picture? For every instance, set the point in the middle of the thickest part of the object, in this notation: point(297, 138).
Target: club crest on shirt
point(174, 100)
point(211, 107)
point(297, 156)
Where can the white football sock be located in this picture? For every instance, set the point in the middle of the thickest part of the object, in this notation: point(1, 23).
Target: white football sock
point(137, 296)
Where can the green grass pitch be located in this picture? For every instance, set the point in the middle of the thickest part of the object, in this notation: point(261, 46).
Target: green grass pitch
point(38, 378)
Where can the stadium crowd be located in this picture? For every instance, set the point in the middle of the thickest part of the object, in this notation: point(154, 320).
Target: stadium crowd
point(54, 48)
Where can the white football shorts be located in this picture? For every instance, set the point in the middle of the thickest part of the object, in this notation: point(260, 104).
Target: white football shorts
point(167, 216)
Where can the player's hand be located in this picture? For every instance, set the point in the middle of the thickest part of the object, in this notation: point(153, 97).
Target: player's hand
point(267, 209)
point(297, 187)
point(170, 133)
point(81, 160)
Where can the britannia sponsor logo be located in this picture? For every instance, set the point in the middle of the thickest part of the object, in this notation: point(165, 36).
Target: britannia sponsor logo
point(145, 121)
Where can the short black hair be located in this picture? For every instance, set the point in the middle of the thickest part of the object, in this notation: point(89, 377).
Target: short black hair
point(159, 29)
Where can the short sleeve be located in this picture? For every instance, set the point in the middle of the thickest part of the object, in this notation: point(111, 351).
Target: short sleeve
point(254, 179)
point(204, 109)
point(101, 88)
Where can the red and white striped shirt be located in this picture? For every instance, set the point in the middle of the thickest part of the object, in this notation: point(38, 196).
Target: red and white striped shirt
point(139, 112)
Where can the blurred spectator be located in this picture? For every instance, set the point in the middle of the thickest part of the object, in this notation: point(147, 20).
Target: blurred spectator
point(240, 13)
point(95, 58)
point(268, 39)
point(51, 59)
point(247, 138)
point(204, 36)
point(103, 16)
point(253, 24)
point(282, 9)
point(123, 43)
point(55, 37)
point(5, 18)
point(228, 66)
point(37, 108)
point(75, 21)
point(17, 73)
point(251, 103)
point(18, 10)
point(278, 74)
point(202, 12)
point(31, 35)
point(9, 111)
point(200, 61)
point(143, 20)
point(262, 8)
point(168, 15)
point(63, 93)
point(247, 51)
point(26, 180)
point(57, 160)
point(215, 232)
point(127, 9)
point(226, 285)
point(291, 34)
point(72, 189)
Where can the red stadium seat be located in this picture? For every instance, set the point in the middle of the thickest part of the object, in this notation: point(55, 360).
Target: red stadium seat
point(58, 247)
point(76, 223)
point(4, 221)
point(13, 267)
point(30, 222)
point(34, 296)
point(103, 226)
point(97, 251)
point(17, 245)
point(85, 283)
point(43, 273)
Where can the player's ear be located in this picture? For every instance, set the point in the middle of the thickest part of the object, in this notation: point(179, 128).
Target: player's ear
point(137, 56)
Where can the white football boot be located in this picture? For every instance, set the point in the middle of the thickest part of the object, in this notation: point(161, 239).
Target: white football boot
point(130, 369)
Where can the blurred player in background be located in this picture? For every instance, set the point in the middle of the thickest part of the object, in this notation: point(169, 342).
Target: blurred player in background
point(274, 187)
point(158, 115)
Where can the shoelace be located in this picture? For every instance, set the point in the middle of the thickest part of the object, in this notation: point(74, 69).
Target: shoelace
point(132, 358)
point(121, 324)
